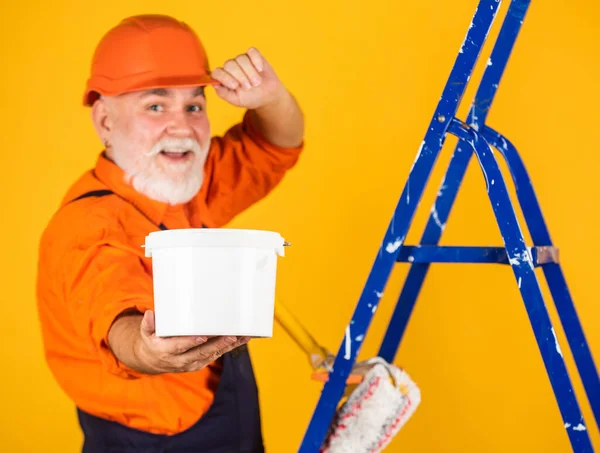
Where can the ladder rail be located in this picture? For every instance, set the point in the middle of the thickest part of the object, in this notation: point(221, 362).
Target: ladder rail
point(528, 284)
point(459, 162)
point(497, 62)
point(398, 227)
point(557, 284)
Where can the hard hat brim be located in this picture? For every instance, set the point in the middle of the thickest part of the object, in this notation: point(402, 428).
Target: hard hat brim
point(97, 87)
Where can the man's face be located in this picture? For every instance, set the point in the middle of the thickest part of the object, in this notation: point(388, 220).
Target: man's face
point(160, 138)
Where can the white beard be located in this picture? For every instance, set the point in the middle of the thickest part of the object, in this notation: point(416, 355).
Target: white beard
point(146, 176)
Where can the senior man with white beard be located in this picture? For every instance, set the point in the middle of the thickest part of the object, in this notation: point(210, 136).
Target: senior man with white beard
point(160, 169)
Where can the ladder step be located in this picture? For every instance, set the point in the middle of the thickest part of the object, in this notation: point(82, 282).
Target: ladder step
point(449, 254)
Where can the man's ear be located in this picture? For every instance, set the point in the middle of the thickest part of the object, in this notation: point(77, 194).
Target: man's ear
point(103, 119)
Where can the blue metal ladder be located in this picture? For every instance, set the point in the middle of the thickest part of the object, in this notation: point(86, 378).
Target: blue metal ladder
point(474, 137)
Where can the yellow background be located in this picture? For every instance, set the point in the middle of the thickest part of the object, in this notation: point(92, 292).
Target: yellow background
point(368, 76)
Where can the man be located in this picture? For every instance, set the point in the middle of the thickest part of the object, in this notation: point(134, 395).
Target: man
point(159, 169)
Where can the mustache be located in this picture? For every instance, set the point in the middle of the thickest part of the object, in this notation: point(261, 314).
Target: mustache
point(175, 144)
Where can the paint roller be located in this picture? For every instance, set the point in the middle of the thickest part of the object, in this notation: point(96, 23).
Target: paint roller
point(379, 397)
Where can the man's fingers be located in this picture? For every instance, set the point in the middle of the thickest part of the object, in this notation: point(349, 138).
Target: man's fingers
point(229, 347)
point(225, 93)
point(181, 345)
point(209, 350)
point(206, 356)
point(249, 69)
point(147, 326)
point(214, 345)
point(256, 58)
point(235, 70)
point(226, 79)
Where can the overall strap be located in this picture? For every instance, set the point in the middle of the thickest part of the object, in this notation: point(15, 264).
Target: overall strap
point(93, 193)
point(105, 192)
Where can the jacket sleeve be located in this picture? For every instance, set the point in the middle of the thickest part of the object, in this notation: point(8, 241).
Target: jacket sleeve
point(102, 279)
point(242, 168)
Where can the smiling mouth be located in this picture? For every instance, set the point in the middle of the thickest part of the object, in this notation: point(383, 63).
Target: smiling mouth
point(176, 155)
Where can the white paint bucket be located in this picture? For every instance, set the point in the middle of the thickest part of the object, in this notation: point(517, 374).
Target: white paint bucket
point(214, 281)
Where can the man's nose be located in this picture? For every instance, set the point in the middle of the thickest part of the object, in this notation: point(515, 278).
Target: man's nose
point(179, 125)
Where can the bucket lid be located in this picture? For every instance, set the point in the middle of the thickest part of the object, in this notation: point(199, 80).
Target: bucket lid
point(214, 237)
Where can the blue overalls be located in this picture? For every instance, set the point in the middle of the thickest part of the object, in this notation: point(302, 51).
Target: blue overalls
point(231, 425)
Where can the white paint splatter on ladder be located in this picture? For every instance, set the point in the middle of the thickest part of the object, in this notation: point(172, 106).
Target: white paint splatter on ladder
point(393, 246)
point(434, 213)
point(348, 344)
point(556, 342)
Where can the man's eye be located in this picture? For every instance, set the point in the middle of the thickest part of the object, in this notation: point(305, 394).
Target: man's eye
point(155, 107)
point(195, 108)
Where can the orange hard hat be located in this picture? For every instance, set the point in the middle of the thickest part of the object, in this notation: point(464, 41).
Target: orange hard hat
point(145, 52)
